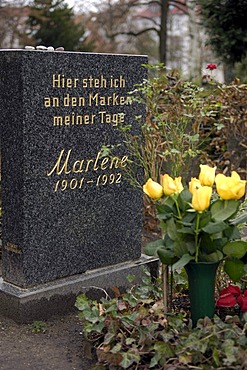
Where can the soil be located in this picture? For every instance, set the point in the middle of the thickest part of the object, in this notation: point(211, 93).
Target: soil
point(58, 345)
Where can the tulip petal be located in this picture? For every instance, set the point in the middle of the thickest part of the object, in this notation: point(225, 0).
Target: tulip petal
point(194, 184)
point(153, 189)
point(169, 186)
point(207, 175)
point(201, 198)
point(230, 187)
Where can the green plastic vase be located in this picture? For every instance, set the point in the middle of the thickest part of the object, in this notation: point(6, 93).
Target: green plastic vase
point(201, 278)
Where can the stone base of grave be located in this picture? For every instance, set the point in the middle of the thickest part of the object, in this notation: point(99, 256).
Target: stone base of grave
point(58, 297)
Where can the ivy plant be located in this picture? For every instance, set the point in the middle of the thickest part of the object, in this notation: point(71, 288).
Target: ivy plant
point(131, 331)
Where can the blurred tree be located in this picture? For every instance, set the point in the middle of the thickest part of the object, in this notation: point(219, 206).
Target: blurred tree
point(226, 25)
point(12, 22)
point(116, 18)
point(52, 23)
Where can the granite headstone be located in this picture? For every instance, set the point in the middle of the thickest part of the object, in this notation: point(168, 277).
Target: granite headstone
point(67, 208)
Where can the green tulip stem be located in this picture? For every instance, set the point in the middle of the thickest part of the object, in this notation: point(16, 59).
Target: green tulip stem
point(178, 210)
point(197, 236)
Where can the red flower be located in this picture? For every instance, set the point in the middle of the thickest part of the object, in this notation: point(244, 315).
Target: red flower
point(226, 300)
point(232, 295)
point(211, 66)
point(242, 301)
point(233, 289)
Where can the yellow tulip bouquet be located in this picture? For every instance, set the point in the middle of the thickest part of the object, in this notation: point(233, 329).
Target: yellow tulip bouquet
point(200, 222)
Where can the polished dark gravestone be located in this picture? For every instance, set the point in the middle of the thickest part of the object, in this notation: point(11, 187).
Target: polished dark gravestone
point(67, 208)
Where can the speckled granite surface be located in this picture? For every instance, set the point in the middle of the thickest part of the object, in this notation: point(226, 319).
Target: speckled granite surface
point(66, 209)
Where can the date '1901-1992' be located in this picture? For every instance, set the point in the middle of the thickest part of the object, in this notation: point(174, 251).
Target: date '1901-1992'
point(74, 183)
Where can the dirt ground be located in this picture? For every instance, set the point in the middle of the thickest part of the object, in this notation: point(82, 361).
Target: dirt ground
point(60, 347)
point(56, 344)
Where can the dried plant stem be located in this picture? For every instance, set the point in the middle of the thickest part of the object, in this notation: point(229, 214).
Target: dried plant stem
point(165, 286)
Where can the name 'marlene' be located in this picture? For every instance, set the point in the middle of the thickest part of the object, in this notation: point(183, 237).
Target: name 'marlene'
point(65, 165)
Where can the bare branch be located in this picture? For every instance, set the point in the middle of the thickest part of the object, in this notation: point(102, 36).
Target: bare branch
point(132, 33)
point(151, 20)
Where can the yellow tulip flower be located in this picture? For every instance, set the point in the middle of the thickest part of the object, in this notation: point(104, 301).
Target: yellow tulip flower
point(178, 184)
point(153, 189)
point(207, 175)
point(201, 198)
point(170, 185)
point(230, 187)
point(194, 184)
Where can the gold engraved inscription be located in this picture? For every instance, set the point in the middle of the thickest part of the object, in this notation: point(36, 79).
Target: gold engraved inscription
point(106, 97)
point(66, 101)
point(75, 183)
point(112, 100)
point(92, 100)
point(63, 164)
point(84, 170)
point(74, 119)
point(89, 119)
point(81, 93)
point(61, 81)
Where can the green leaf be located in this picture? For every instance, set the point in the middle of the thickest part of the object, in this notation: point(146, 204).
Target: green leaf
point(216, 356)
point(184, 199)
point(186, 230)
point(151, 248)
point(163, 208)
point(130, 341)
point(82, 302)
point(235, 249)
point(109, 337)
point(232, 233)
point(180, 248)
point(164, 349)
point(166, 206)
point(171, 229)
point(214, 227)
point(92, 315)
point(230, 352)
point(190, 245)
point(222, 210)
point(165, 216)
point(168, 242)
point(182, 262)
point(205, 218)
point(129, 358)
point(212, 257)
point(166, 256)
point(188, 219)
point(116, 348)
point(207, 244)
point(220, 242)
point(234, 269)
point(131, 278)
point(155, 360)
point(245, 318)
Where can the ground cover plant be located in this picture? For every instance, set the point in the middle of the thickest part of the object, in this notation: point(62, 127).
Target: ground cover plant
point(131, 331)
